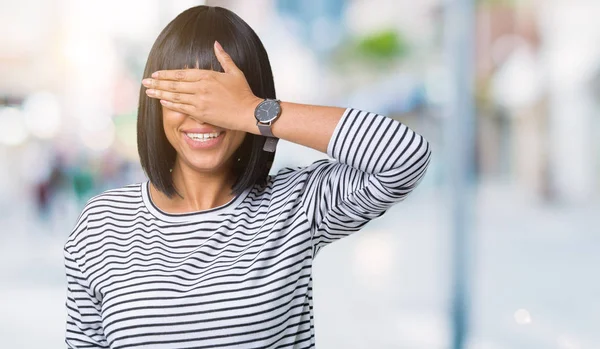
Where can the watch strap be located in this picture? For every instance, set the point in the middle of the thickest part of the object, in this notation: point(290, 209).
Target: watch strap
point(270, 144)
point(265, 129)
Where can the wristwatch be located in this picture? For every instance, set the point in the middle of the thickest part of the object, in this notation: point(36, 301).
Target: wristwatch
point(266, 113)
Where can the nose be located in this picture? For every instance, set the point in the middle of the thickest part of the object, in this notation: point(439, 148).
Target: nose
point(197, 120)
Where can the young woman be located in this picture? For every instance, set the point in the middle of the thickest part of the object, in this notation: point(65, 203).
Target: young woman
point(212, 251)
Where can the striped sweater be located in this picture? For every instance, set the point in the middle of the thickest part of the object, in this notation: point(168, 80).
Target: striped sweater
point(238, 275)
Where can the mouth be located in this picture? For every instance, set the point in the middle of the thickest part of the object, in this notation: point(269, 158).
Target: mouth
point(203, 137)
point(206, 141)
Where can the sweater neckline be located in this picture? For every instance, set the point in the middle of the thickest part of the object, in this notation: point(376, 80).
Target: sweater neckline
point(189, 216)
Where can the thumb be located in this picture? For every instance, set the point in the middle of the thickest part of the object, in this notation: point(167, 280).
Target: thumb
point(225, 60)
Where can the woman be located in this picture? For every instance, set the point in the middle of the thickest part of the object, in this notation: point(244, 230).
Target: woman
point(212, 251)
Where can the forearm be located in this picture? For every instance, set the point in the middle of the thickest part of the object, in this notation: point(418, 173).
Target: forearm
point(375, 144)
point(379, 162)
point(367, 141)
point(308, 125)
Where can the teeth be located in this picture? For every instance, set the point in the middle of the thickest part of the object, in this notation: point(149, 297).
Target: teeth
point(203, 136)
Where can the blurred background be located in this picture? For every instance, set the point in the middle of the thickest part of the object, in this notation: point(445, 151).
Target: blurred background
point(519, 229)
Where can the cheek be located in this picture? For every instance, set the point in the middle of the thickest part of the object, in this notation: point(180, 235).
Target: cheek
point(171, 121)
point(238, 139)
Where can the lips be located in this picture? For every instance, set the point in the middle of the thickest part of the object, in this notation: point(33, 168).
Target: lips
point(203, 140)
point(203, 136)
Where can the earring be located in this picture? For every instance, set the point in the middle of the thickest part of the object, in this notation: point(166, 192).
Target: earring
point(171, 170)
point(239, 159)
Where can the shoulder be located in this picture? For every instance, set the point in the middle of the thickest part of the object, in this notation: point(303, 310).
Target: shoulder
point(131, 190)
point(114, 199)
point(106, 203)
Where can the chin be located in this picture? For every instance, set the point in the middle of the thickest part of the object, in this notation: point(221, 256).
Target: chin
point(205, 165)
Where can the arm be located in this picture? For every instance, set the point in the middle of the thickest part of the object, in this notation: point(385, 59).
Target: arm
point(226, 100)
point(84, 319)
point(308, 125)
point(379, 162)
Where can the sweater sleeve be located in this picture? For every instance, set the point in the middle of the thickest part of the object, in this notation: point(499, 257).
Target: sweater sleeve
point(84, 320)
point(379, 162)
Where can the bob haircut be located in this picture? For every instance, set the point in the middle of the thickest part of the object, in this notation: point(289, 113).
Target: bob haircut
point(186, 42)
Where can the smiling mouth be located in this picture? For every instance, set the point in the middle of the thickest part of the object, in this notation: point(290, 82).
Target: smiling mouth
point(203, 137)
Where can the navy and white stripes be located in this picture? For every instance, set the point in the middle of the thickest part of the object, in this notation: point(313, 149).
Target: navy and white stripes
point(238, 275)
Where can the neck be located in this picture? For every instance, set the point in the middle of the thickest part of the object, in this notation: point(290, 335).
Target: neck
point(198, 191)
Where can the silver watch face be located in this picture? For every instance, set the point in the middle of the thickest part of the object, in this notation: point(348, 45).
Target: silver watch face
point(268, 110)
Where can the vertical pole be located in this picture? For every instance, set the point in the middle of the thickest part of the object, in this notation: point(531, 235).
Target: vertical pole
point(459, 49)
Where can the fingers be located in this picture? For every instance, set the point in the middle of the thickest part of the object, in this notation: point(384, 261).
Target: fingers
point(170, 85)
point(171, 96)
point(180, 107)
point(225, 59)
point(188, 75)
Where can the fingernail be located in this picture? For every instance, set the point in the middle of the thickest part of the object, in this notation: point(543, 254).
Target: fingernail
point(155, 74)
point(219, 47)
point(150, 92)
point(146, 81)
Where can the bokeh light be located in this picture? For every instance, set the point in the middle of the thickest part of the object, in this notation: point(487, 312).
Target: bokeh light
point(98, 135)
point(374, 257)
point(13, 131)
point(43, 117)
point(522, 317)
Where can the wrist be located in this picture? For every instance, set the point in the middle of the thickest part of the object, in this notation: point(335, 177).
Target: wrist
point(248, 113)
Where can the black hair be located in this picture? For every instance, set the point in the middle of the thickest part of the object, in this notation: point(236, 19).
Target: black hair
point(188, 41)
